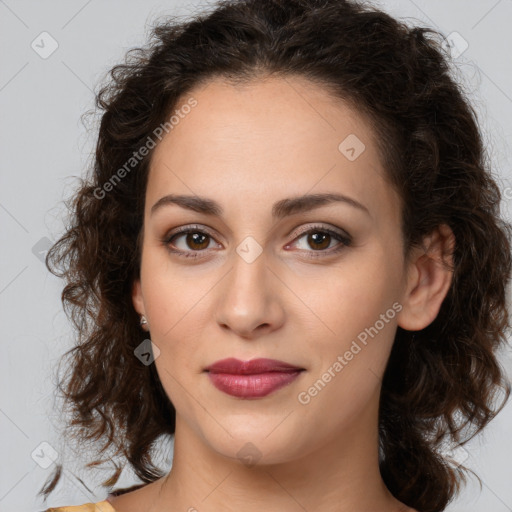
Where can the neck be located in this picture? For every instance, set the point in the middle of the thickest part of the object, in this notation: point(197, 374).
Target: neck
point(340, 474)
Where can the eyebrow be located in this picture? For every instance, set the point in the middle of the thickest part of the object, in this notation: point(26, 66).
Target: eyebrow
point(280, 209)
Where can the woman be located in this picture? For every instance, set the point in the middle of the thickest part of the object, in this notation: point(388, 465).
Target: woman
point(288, 256)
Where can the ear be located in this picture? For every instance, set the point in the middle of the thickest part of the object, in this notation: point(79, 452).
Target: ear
point(137, 299)
point(429, 276)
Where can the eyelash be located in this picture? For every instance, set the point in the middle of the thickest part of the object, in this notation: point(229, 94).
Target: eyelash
point(344, 239)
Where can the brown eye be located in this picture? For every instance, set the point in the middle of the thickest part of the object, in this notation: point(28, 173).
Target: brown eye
point(194, 240)
point(197, 241)
point(188, 242)
point(318, 239)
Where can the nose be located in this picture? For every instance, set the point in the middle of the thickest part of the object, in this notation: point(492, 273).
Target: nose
point(250, 299)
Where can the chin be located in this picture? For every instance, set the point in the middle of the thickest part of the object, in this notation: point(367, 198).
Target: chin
point(257, 444)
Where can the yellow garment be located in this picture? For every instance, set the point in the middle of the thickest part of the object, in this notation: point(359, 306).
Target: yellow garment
point(100, 506)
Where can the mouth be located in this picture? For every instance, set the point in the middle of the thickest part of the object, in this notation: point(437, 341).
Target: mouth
point(251, 379)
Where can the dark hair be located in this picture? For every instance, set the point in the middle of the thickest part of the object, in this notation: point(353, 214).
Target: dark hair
point(439, 381)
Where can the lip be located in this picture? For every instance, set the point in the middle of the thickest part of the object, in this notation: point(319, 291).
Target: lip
point(255, 378)
point(261, 365)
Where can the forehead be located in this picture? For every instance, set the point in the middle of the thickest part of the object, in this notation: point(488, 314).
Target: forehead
point(261, 141)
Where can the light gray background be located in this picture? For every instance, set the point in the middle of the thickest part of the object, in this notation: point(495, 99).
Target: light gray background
point(44, 144)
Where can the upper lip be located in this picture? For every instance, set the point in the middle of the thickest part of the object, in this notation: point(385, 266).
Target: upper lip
point(253, 366)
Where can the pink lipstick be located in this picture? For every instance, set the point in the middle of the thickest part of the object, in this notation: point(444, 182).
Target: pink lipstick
point(251, 379)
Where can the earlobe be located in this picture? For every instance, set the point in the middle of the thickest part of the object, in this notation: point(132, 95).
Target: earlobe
point(138, 302)
point(429, 279)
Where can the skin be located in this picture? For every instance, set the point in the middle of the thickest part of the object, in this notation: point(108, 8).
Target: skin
point(247, 147)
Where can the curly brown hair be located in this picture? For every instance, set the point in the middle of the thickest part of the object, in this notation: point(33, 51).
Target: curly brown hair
point(440, 382)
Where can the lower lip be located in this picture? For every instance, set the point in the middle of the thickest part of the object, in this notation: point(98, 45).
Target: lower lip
point(252, 386)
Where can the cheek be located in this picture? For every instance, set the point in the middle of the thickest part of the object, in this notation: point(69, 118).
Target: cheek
point(355, 311)
point(174, 301)
point(173, 295)
point(351, 359)
point(350, 298)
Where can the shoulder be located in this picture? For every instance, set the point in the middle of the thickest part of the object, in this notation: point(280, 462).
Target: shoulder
point(134, 498)
point(100, 506)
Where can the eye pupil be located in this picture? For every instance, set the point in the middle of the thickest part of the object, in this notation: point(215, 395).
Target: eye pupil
point(320, 238)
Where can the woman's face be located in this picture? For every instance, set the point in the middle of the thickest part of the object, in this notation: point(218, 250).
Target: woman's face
point(249, 282)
